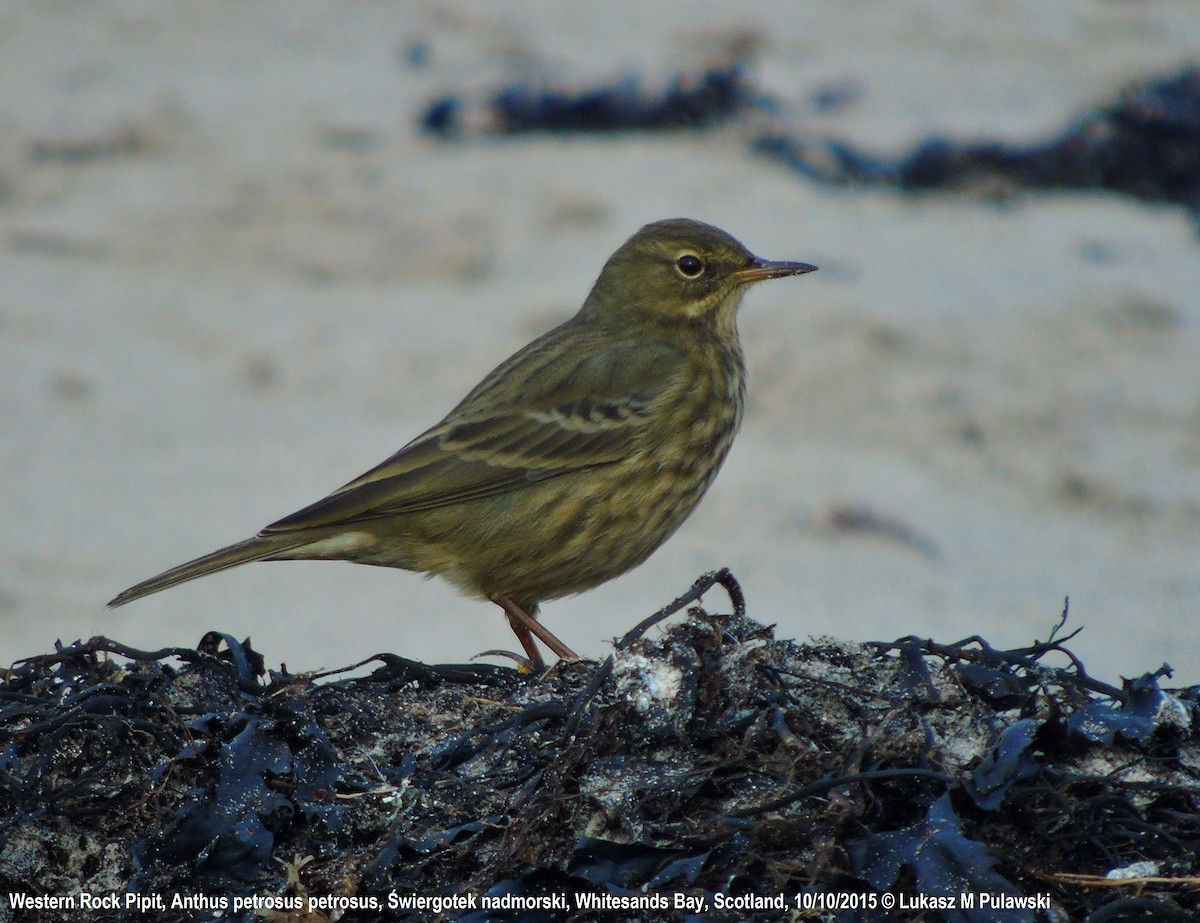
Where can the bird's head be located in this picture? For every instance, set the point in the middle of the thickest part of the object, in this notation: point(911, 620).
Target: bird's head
point(680, 271)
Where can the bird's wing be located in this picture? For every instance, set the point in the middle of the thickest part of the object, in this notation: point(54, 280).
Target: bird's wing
point(535, 417)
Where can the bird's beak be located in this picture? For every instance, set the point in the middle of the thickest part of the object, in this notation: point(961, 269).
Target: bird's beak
point(760, 270)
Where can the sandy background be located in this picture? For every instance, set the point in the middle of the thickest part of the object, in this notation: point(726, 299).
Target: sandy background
point(273, 281)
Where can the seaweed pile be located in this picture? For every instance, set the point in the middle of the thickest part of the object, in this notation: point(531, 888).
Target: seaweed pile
point(712, 769)
point(1145, 143)
point(701, 101)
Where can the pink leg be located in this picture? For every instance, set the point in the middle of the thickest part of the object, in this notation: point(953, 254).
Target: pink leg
point(525, 626)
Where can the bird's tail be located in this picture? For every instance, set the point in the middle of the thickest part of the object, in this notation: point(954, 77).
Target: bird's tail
point(252, 549)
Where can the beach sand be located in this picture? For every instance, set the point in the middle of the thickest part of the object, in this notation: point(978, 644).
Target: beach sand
point(235, 275)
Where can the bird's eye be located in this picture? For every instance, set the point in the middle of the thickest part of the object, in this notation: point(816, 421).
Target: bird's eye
point(689, 266)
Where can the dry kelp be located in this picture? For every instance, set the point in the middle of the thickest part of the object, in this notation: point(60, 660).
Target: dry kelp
point(629, 104)
point(1144, 143)
point(710, 765)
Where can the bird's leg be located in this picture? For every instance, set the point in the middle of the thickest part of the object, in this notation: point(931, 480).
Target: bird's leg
point(535, 662)
point(525, 626)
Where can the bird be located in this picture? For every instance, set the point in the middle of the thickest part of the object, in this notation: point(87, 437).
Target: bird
point(567, 465)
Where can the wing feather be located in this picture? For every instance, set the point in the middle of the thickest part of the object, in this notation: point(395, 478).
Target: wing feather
point(531, 419)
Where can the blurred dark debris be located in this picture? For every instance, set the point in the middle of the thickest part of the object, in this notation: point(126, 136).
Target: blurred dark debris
point(705, 757)
point(1146, 143)
point(861, 520)
point(349, 137)
point(125, 140)
point(837, 94)
point(693, 101)
point(161, 126)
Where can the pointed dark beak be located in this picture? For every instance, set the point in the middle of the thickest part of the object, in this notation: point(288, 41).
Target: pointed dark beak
point(760, 270)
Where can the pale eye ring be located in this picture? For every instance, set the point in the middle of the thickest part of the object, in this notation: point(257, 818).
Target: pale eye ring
point(689, 266)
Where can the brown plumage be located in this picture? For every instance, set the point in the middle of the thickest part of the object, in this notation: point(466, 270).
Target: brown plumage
point(568, 464)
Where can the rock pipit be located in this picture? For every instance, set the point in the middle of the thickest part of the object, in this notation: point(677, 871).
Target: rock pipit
point(568, 464)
